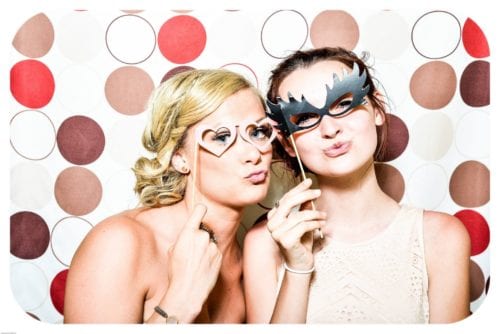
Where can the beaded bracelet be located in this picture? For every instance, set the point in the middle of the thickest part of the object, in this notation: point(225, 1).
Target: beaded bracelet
point(295, 271)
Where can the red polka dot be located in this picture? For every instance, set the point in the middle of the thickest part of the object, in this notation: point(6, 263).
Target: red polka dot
point(182, 39)
point(32, 83)
point(57, 288)
point(475, 42)
point(478, 229)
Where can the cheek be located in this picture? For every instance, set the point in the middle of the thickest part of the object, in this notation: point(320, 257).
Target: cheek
point(308, 144)
point(209, 164)
point(267, 158)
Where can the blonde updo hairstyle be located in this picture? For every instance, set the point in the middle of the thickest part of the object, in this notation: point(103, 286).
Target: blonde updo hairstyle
point(178, 103)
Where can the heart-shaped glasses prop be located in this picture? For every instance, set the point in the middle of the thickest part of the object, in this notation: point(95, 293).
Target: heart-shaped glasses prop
point(218, 140)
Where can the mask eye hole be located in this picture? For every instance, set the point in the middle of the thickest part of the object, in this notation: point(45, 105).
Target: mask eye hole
point(341, 105)
point(306, 119)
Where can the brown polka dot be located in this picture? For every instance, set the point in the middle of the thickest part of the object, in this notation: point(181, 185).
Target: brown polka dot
point(433, 84)
point(35, 37)
point(334, 28)
point(390, 180)
point(128, 89)
point(475, 84)
point(29, 235)
point(80, 140)
point(477, 283)
point(470, 184)
point(78, 191)
point(397, 138)
point(176, 70)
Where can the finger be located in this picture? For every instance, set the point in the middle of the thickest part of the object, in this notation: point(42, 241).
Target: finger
point(299, 187)
point(297, 219)
point(300, 198)
point(194, 220)
point(287, 204)
point(300, 216)
point(294, 236)
point(271, 213)
point(214, 254)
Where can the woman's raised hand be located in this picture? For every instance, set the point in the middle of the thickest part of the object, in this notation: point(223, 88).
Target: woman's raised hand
point(194, 265)
point(293, 229)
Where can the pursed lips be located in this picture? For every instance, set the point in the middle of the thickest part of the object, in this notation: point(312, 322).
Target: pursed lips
point(337, 149)
point(257, 176)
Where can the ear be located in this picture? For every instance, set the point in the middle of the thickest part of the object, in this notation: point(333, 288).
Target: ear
point(286, 145)
point(179, 162)
point(379, 114)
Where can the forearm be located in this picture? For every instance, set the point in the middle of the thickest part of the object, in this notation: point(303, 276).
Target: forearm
point(291, 304)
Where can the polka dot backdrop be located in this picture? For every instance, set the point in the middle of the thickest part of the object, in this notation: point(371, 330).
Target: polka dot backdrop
point(79, 81)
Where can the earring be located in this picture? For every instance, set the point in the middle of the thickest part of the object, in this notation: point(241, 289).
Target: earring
point(184, 170)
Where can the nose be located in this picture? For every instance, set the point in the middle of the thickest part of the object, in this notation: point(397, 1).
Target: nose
point(248, 152)
point(330, 127)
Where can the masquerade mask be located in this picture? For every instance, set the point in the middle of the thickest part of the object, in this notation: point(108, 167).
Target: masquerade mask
point(344, 95)
point(217, 141)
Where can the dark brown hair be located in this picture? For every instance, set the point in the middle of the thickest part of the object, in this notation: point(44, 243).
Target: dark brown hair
point(305, 59)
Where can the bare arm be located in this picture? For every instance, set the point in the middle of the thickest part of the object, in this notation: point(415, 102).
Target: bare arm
point(102, 284)
point(447, 247)
point(287, 236)
point(261, 259)
point(107, 279)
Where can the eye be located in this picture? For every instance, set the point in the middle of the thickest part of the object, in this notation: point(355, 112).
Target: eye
point(260, 133)
point(221, 136)
point(305, 119)
point(343, 105)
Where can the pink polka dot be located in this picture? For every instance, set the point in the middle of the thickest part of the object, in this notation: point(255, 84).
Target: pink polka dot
point(57, 288)
point(182, 39)
point(478, 229)
point(32, 83)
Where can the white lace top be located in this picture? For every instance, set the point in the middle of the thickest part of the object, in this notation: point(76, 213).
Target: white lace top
point(382, 280)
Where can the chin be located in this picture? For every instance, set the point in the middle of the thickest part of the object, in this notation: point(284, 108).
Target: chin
point(253, 196)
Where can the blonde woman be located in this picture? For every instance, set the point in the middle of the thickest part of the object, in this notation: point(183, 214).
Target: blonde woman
point(174, 260)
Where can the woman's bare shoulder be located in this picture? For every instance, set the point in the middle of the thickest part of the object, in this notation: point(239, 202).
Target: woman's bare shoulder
point(258, 240)
point(443, 225)
point(120, 236)
point(259, 233)
point(445, 234)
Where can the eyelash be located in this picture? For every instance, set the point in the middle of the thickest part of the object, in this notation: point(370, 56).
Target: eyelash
point(221, 136)
point(260, 129)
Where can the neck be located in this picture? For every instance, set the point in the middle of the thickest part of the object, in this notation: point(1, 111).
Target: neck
point(224, 221)
point(354, 203)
